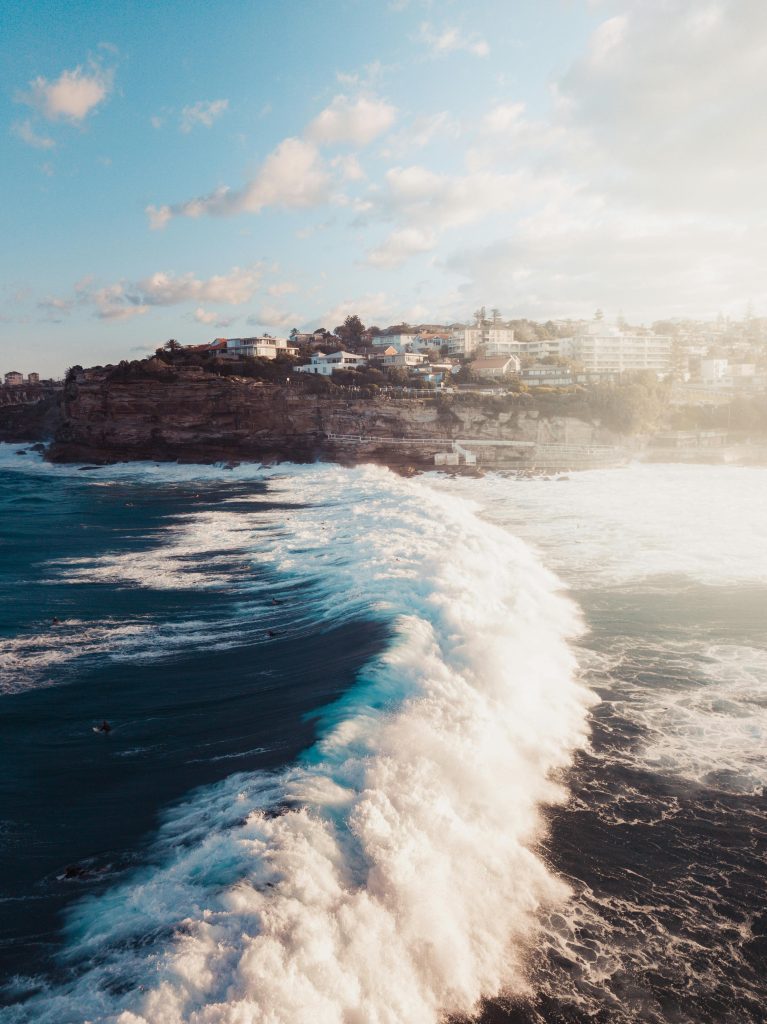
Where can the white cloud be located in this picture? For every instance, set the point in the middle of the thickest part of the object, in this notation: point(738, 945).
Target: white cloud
point(349, 167)
point(163, 289)
point(401, 245)
point(450, 40)
point(436, 127)
point(292, 176)
point(72, 96)
point(55, 309)
point(439, 127)
point(113, 303)
point(158, 216)
point(56, 305)
point(204, 113)
point(203, 316)
point(649, 167)
point(23, 130)
point(503, 118)
point(123, 300)
point(677, 112)
point(356, 122)
point(282, 288)
point(419, 197)
point(595, 257)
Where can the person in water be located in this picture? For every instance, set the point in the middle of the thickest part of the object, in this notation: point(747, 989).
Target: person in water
point(105, 727)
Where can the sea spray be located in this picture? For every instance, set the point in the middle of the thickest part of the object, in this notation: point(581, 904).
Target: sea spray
point(393, 874)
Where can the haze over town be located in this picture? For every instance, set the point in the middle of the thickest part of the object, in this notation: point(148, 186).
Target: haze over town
point(252, 169)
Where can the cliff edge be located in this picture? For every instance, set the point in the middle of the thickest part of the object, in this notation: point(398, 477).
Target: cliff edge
point(188, 415)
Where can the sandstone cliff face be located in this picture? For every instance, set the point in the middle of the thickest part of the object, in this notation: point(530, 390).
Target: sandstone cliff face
point(192, 416)
point(30, 420)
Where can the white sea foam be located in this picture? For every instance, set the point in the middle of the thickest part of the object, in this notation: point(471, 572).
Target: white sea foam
point(712, 731)
point(392, 876)
point(700, 702)
point(53, 654)
point(621, 526)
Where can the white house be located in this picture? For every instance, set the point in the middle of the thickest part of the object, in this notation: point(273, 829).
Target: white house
point(495, 366)
point(404, 359)
point(325, 364)
point(13, 378)
point(258, 348)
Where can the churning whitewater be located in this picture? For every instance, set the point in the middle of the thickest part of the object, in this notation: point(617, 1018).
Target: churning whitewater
point(393, 874)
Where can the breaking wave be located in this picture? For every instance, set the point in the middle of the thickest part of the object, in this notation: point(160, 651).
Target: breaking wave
point(394, 873)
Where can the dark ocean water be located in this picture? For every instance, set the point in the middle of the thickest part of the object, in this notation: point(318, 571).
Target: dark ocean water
point(77, 808)
point(670, 918)
point(336, 701)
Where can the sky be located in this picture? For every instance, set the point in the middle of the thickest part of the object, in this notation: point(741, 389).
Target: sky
point(190, 170)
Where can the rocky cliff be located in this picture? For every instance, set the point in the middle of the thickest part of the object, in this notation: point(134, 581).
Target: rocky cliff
point(29, 414)
point(192, 416)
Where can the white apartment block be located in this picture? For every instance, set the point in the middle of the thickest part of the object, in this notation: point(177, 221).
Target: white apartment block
point(492, 339)
point(601, 348)
point(546, 348)
point(464, 341)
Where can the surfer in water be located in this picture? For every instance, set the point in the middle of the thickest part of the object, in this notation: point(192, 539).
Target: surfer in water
point(105, 727)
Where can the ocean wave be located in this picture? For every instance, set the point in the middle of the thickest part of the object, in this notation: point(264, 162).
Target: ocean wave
point(393, 874)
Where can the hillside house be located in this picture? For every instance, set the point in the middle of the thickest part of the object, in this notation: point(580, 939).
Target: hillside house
point(325, 365)
point(495, 367)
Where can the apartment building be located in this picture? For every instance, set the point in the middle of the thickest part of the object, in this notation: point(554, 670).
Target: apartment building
point(602, 348)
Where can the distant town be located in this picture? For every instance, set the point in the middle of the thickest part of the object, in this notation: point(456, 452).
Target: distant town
point(707, 361)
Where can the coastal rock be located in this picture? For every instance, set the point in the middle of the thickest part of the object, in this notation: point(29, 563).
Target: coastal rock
point(196, 417)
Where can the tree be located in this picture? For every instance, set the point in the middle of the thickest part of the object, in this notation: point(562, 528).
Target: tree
point(350, 331)
point(171, 347)
point(464, 376)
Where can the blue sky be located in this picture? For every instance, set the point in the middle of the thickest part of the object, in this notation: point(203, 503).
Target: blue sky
point(192, 170)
